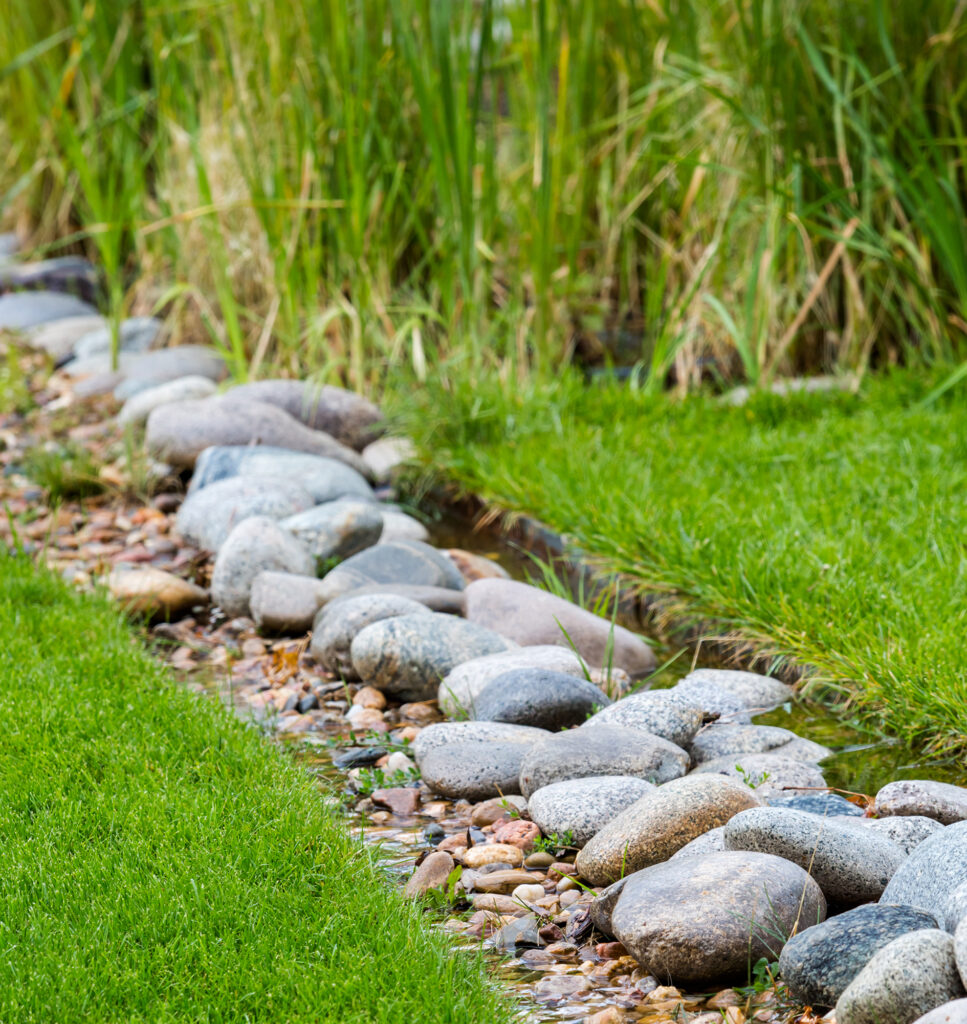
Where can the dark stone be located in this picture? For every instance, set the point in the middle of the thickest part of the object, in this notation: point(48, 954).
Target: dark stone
point(473, 770)
point(402, 561)
point(538, 697)
point(359, 757)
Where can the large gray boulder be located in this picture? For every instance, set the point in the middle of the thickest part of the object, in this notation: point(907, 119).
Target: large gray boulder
point(659, 712)
point(924, 797)
point(929, 876)
point(729, 740)
point(757, 693)
point(584, 806)
point(538, 697)
point(443, 734)
point(338, 529)
point(473, 769)
point(284, 603)
point(769, 774)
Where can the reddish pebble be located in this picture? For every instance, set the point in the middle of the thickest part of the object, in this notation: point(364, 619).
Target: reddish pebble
point(520, 833)
point(400, 800)
point(610, 950)
point(451, 843)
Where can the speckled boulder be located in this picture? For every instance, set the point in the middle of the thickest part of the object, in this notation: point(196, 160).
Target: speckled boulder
point(440, 734)
point(907, 832)
point(819, 963)
point(716, 741)
point(768, 774)
point(955, 908)
point(850, 864)
point(712, 841)
point(703, 920)
point(254, 546)
point(535, 696)
point(584, 806)
point(929, 876)
point(954, 1012)
point(337, 529)
point(473, 769)
point(659, 712)
point(601, 750)
point(407, 656)
point(938, 800)
point(906, 978)
point(660, 824)
point(756, 692)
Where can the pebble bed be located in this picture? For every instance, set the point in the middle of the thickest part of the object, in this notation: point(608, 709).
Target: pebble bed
point(631, 852)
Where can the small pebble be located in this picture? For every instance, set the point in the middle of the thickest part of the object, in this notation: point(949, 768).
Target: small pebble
point(527, 893)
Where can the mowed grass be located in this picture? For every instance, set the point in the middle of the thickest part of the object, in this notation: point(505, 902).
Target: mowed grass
point(826, 528)
point(159, 862)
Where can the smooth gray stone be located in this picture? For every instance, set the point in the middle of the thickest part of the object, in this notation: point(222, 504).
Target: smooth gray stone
point(207, 517)
point(939, 800)
point(819, 963)
point(821, 803)
point(149, 369)
point(908, 833)
point(180, 431)
point(256, 545)
point(929, 876)
point(520, 933)
point(767, 774)
point(960, 949)
point(602, 906)
point(408, 655)
point(442, 734)
point(955, 908)
point(583, 806)
point(387, 454)
point(72, 274)
point(58, 338)
point(337, 529)
point(601, 750)
point(757, 693)
point(339, 622)
point(20, 311)
point(344, 415)
point(904, 980)
point(712, 841)
point(284, 603)
point(728, 740)
point(437, 599)
point(701, 920)
point(850, 864)
point(714, 701)
point(954, 1012)
point(138, 407)
point(473, 770)
point(659, 712)
point(538, 697)
point(136, 334)
point(398, 525)
point(325, 479)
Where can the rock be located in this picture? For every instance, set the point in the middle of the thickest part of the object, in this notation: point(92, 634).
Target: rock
point(406, 656)
point(821, 803)
point(325, 479)
point(767, 774)
point(207, 517)
point(437, 599)
point(180, 431)
point(488, 811)
point(459, 690)
point(538, 697)
point(256, 545)
point(601, 750)
point(561, 986)
point(72, 274)
point(398, 525)
point(929, 876)
point(502, 881)
point(850, 864)
point(138, 407)
point(338, 623)
point(58, 337)
point(659, 824)
point(519, 833)
point(602, 906)
point(337, 529)
point(344, 415)
point(728, 740)
point(907, 833)
point(431, 874)
point(150, 591)
point(756, 692)
point(519, 934)
point(534, 617)
point(136, 334)
point(495, 853)
point(659, 712)
point(473, 769)
point(583, 806)
point(443, 734)
point(955, 908)
point(402, 801)
point(819, 963)
point(20, 311)
point(496, 902)
point(904, 980)
point(149, 369)
point(712, 841)
point(939, 800)
point(386, 454)
point(476, 567)
point(528, 893)
point(954, 1012)
point(283, 603)
point(704, 919)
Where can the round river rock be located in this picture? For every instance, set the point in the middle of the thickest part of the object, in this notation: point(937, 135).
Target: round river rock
point(659, 712)
point(583, 806)
point(473, 769)
point(538, 697)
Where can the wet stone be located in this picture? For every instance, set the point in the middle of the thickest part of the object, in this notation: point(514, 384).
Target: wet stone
point(583, 806)
point(337, 529)
point(473, 769)
point(939, 800)
point(658, 712)
point(538, 697)
point(431, 874)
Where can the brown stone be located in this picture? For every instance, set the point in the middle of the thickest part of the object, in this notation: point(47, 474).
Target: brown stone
point(420, 712)
point(487, 812)
point(369, 697)
point(476, 567)
point(498, 903)
point(519, 833)
point(610, 950)
point(149, 591)
point(431, 874)
point(452, 843)
point(494, 853)
point(400, 800)
point(502, 881)
point(610, 1015)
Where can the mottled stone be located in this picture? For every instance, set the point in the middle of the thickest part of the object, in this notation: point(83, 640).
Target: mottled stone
point(712, 841)
point(768, 774)
point(337, 529)
point(254, 546)
point(659, 712)
point(819, 963)
point(431, 874)
point(909, 976)
point(338, 623)
point(821, 803)
point(955, 908)
point(138, 407)
point(150, 591)
point(729, 740)
point(929, 876)
point(59, 337)
point(493, 853)
point(850, 864)
point(442, 734)
point(407, 656)
point(20, 311)
point(473, 769)
point(601, 750)
point(660, 824)
point(907, 832)
point(501, 881)
point(939, 800)
point(136, 334)
point(756, 692)
point(281, 602)
point(534, 617)
point(584, 806)
point(538, 697)
point(954, 1012)
point(704, 919)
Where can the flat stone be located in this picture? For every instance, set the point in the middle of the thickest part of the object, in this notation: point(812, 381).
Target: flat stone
point(398, 525)
point(929, 876)
point(255, 545)
point(531, 616)
point(757, 693)
point(492, 853)
point(207, 517)
point(819, 963)
point(850, 864)
point(705, 919)
point(659, 712)
point(907, 832)
point(954, 1012)
point(583, 806)
point(939, 800)
point(344, 415)
point(728, 740)
point(519, 934)
point(338, 529)
point(473, 769)
point(338, 623)
point(660, 824)
point(150, 591)
point(20, 311)
point(135, 334)
point(821, 803)
point(712, 841)
point(387, 454)
point(601, 750)
point(284, 603)
point(442, 734)
point(406, 656)
point(437, 599)
point(180, 431)
point(431, 874)
point(905, 979)
point(459, 690)
point(767, 774)
point(138, 407)
point(539, 697)
point(58, 337)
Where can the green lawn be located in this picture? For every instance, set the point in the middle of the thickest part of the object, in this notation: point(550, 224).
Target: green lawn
point(159, 862)
point(828, 528)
